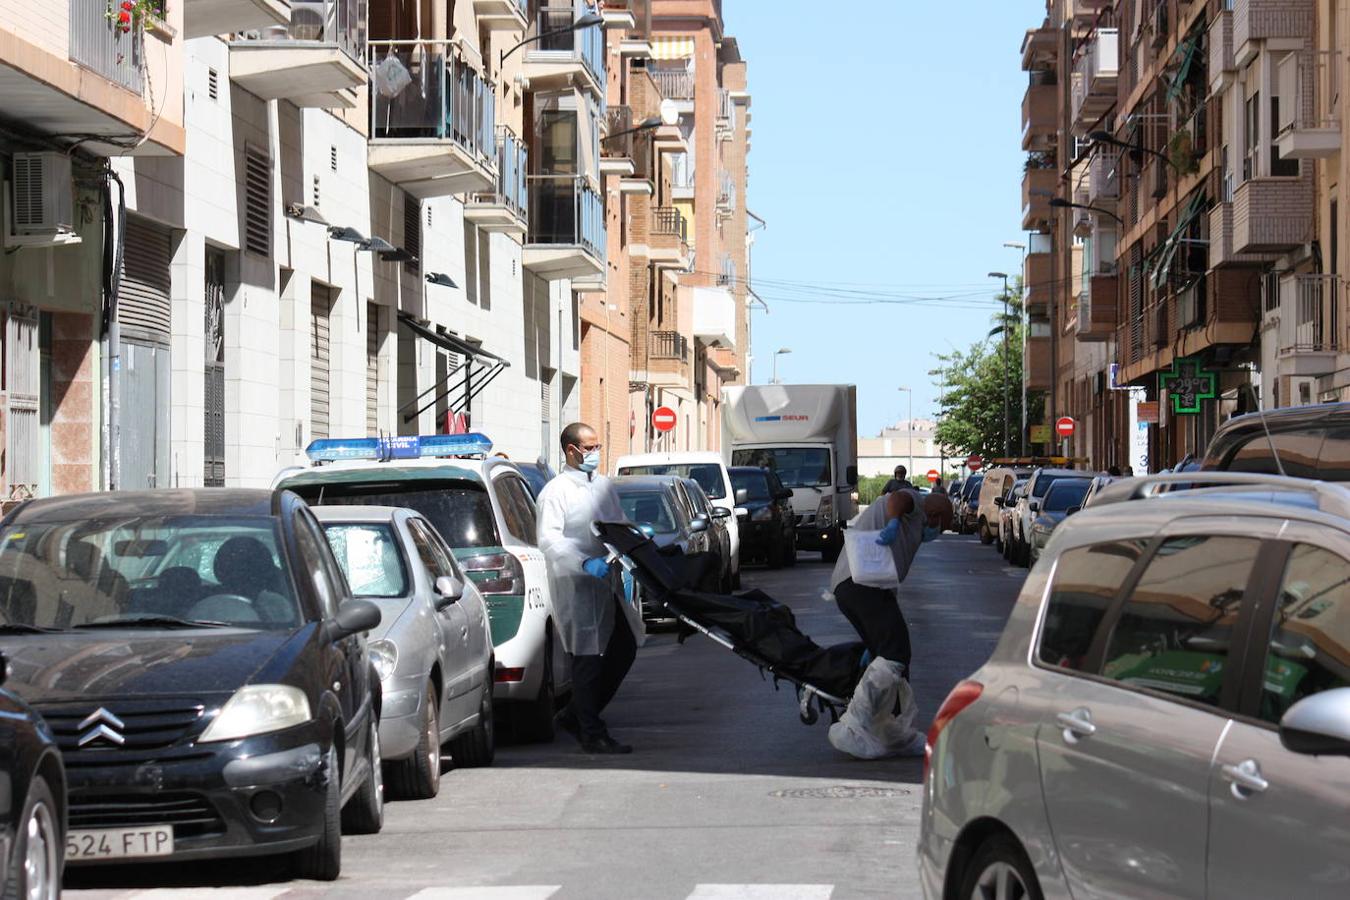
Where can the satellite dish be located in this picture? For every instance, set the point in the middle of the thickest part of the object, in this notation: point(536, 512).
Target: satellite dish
point(670, 112)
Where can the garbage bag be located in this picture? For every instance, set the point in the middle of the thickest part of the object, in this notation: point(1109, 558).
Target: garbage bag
point(870, 728)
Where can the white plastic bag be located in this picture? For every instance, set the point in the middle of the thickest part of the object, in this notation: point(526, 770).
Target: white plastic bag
point(870, 564)
point(869, 728)
point(391, 77)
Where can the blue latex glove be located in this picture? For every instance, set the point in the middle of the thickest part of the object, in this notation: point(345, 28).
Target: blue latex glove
point(596, 567)
point(888, 534)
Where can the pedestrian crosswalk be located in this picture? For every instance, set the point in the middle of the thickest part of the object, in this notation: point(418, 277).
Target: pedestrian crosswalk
point(308, 890)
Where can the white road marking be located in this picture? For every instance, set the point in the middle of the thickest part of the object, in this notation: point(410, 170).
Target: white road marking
point(267, 892)
point(762, 892)
point(505, 892)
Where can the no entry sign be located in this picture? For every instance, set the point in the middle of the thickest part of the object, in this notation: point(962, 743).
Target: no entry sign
point(1064, 427)
point(664, 418)
point(975, 462)
point(933, 476)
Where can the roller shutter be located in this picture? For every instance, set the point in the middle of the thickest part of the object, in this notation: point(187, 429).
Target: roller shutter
point(144, 295)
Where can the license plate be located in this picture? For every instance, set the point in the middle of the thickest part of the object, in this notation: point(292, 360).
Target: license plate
point(120, 843)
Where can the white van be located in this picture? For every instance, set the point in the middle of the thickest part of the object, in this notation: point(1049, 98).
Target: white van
point(705, 467)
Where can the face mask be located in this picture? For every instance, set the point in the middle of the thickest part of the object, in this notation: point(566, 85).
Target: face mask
point(590, 462)
point(930, 533)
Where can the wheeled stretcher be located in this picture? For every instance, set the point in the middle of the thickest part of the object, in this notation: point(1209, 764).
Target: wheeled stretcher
point(752, 625)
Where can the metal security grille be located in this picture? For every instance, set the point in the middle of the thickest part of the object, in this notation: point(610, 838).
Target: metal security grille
point(23, 407)
point(143, 299)
point(412, 231)
point(320, 310)
point(213, 423)
point(372, 369)
point(257, 201)
point(545, 409)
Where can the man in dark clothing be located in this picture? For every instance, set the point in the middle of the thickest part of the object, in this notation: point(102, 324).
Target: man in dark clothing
point(900, 480)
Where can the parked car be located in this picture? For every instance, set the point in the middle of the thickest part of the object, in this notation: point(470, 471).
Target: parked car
point(966, 506)
point(768, 526)
point(997, 483)
point(1007, 507)
point(719, 529)
point(652, 502)
point(202, 665)
point(1099, 484)
point(433, 649)
point(954, 494)
point(1167, 712)
point(1311, 442)
point(1029, 507)
point(33, 804)
point(1064, 498)
point(536, 475)
point(709, 470)
point(485, 511)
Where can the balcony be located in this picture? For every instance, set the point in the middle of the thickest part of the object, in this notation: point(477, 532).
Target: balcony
point(1038, 279)
point(1095, 75)
point(668, 240)
point(683, 178)
point(508, 15)
point(1040, 48)
point(203, 18)
point(667, 358)
point(1272, 214)
point(1265, 20)
point(726, 195)
point(432, 120)
point(1221, 253)
point(311, 61)
point(636, 43)
point(1103, 182)
point(1097, 308)
point(1037, 372)
point(1310, 126)
point(726, 109)
point(619, 146)
point(504, 209)
point(1040, 105)
point(1222, 62)
point(1308, 339)
point(565, 58)
point(676, 85)
point(715, 317)
point(567, 234)
point(625, 15)
point(1038, 186)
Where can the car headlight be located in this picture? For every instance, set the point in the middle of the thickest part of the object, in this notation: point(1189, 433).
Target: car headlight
point(384, 657)
point(762, 515)
point(259, 709)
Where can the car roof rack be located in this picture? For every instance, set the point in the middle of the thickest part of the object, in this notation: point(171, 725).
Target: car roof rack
point(1331, 497)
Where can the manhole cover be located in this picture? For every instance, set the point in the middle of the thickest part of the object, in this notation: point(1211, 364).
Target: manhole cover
point(841, 792)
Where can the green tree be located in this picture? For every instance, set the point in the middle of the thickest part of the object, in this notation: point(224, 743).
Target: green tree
point(972, 382)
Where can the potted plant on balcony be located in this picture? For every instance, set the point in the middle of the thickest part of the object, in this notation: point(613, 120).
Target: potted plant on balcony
point(137, 15)
point(1181, 152)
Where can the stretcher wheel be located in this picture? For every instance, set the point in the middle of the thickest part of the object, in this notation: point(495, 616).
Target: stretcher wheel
point(808, 712)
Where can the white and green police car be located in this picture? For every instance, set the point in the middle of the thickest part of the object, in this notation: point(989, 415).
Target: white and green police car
point(484, 509)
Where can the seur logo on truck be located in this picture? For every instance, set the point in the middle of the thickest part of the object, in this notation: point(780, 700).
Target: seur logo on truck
point(782, 418)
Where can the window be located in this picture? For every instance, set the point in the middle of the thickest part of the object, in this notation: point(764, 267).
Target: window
point(649, 508)
point(1282, 168)
point(514, 515)
point(459, 510)
point(755, 484)
point(1333, 460)
point(1310, 638)
point(797, 467)
point(708, 475)
point(1298, 451)
point(1252, 129)
point(1066, 495)
point(431, 554)
point(1087, 579)
point(519, 494)
point(1174, 631)
point(310, 540)
point(370, 558)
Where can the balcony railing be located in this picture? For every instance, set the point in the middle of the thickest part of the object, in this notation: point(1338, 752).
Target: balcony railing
point(586, 45)
point(1095, 74)
point(669, 221)
point(566, 211)
point(674, 84)
point(341, 23)
point(513, 164)
point(1308, 314)
point(97, 45)
point(620, 137)
point(421, 91)
point(1310, 109)
point(725, 107)
point(682, 176)
point(668, 345)
point(726, 192)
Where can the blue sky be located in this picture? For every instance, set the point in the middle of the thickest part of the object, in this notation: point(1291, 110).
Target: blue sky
point(886, 160)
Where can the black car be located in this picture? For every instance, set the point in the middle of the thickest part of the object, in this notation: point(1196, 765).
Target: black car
point(768, 528)
point(33, 803)
point(203, 669)
point(968, 506)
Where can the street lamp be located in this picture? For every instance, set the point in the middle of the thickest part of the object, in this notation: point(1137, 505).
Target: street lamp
point(1023, 320)
point(1006, 408)
point(1061, 203)
point(645, 125)
point(1135, 150)
point(910, 391)
point(590, 20)
point(775, 363)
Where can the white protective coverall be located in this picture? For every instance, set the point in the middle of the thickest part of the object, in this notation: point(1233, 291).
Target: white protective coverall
point(582, 603)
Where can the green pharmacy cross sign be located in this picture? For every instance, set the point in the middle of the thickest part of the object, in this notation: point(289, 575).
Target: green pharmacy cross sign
point(1188, 384)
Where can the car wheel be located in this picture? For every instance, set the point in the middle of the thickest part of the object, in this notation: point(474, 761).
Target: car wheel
point(774, 556)
point(365, 811)
point(419, 776)
point(790, 557)
point(985, 536)
point(35, 864)
point(1000, 869)
point(533, 720)
point(323, 860)
point(831, 555)
point(477, 748)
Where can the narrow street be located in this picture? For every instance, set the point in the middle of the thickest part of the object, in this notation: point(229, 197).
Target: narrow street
point(727, 792)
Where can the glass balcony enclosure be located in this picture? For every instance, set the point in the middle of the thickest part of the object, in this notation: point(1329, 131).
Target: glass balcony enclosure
point(560, 48)
point(421, 91)
point(506, 206)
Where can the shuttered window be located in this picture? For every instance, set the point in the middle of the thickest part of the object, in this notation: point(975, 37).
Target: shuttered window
point(257, 200)
point(321, 307)
point(143, 297)
point(545, 410)
point(412, 231)
point(213, 400)
point(23, 409)
point(372, 369)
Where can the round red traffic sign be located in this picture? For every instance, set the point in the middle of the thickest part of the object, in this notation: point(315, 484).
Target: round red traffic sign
point(664, 418)
point(975, 462)
point(1064, 426)
point(933, 476)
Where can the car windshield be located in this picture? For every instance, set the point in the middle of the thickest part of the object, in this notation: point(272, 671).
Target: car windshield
point(1044, 481)
point(972, 488)
point(370, 558)
point(210, 569)
point(755, 484)
point(536, 477)
point(460, 510)
point(796, 466)
point(708, 475)
point(1067, 493)
point(651, 508)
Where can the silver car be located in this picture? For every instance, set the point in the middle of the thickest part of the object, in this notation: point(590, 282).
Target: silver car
point(432, 650)
point(1167, 713)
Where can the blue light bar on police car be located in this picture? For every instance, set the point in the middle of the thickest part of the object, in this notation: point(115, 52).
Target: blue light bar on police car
point(411, 446)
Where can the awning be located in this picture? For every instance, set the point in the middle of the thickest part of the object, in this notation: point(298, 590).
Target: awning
point(1169, 248)
point(1188, 53)
point(672, 47)
point(478, 371)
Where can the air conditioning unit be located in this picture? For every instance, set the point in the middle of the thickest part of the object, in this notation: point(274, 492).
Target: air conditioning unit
point(43, 195)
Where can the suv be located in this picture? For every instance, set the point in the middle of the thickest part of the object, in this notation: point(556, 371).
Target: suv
point(1311, 441)
point(768, 524)
point(485, 511)
point(1170, 693)
point(1029, 507)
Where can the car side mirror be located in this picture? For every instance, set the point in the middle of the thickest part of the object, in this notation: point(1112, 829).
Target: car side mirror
point(721, 512)
point(1318, 725)
point(1034, 505)
point(353, 617)
point(742, 512)
point(449, 589)
point(699, 525)
point(998, 501)
point(742, 495)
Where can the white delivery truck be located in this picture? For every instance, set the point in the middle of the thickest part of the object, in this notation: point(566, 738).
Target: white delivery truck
point(808, 434)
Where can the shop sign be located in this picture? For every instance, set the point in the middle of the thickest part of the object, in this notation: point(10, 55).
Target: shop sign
point(1189, 385)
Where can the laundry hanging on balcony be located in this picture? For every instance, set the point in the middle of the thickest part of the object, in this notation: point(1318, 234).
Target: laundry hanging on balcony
point(479, 370)
point(1187, 52)
point(1169, 248)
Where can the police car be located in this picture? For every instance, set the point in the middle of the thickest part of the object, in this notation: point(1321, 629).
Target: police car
point(484, 509)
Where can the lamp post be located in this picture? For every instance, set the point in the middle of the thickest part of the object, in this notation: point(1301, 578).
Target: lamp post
point(910, 425)
point(1061, 203)
point(1007, 411)
point(777, 354)
point(1022, 380)
point(586, 21)
point(1135, 150)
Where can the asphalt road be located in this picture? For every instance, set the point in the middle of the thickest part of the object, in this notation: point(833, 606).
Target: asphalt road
point(728, 794)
